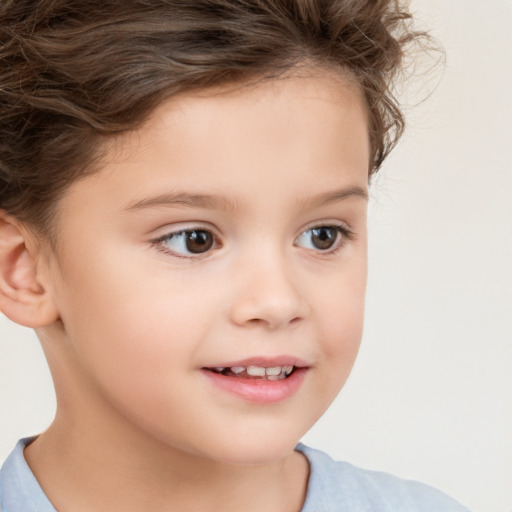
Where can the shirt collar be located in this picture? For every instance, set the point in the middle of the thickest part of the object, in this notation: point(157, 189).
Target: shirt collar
point(19, 489)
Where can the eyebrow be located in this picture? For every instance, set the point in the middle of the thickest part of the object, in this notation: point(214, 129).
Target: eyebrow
point(218, 202)
point(334, 196)
point(184, 199)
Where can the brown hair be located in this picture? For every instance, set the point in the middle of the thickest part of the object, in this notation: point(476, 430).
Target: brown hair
point(74, 72)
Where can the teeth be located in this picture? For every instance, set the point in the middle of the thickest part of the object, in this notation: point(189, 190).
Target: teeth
point(271, 373)
point(256, 371)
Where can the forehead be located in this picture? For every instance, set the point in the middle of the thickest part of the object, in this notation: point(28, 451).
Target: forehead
point(230, 140)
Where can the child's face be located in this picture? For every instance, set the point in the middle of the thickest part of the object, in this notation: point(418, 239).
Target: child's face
point(229, 231)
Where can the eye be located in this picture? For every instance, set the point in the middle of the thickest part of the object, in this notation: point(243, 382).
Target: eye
point(187, 242)
point(323, 238)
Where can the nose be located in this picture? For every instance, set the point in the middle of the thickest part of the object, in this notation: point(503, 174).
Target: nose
point(269, 295)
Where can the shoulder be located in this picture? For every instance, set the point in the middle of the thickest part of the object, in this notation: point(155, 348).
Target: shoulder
point(339, 486)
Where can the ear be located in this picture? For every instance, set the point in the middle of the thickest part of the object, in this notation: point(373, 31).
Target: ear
point(23, 295)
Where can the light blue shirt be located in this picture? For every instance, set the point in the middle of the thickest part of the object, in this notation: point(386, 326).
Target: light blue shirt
point(333, 487)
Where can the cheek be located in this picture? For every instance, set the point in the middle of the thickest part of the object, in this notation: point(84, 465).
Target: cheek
point(343, 331)
point(339, 324)
point(137, 358)
point(125, 326)
point(136, 333)
point(341, 316)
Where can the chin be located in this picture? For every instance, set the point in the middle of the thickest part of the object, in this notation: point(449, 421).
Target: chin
point(253, 448)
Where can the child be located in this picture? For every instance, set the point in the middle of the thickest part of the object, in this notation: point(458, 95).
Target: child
point(183, 221)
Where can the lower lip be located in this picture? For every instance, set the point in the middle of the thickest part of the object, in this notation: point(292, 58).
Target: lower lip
point(258, 391)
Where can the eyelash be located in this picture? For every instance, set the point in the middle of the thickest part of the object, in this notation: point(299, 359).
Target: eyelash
point(160, 242)
point(343, 235)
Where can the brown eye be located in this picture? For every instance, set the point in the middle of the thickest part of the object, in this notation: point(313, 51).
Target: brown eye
point(322, 238)
point(198, 241)
point(188, 242)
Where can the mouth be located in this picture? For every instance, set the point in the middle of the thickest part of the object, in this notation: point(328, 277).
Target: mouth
point(259, 380)
point(253, 372)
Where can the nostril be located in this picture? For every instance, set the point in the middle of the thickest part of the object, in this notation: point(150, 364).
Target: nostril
point(273, 322)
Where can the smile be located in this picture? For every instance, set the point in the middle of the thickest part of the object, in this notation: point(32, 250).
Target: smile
point(255, 372)
point(258, 380)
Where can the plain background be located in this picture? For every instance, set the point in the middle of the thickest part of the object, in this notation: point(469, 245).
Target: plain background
point(430, 397)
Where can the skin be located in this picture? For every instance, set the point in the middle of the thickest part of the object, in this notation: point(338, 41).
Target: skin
point(136, 320)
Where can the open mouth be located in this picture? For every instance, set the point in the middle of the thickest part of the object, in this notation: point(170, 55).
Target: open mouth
point(258, 380)
point(255, 372)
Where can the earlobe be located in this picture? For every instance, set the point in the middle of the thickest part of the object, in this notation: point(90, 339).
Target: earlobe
point(23, 297)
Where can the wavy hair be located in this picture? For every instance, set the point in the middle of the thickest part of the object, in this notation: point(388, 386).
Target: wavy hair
point(75, 72)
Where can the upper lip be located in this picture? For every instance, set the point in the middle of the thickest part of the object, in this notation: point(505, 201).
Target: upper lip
point(264, 361)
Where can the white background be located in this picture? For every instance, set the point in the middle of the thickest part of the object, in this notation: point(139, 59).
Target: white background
point(430, 397)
